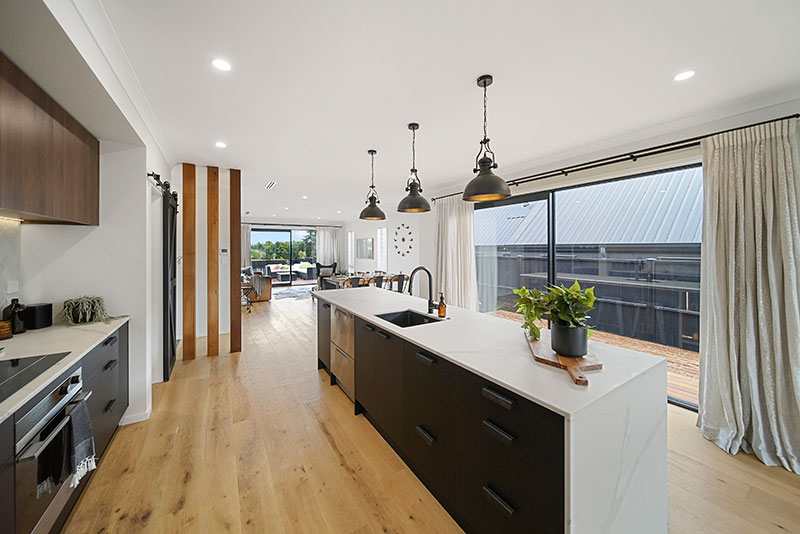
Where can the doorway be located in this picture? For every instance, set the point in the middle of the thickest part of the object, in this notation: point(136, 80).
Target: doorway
point(287, 256)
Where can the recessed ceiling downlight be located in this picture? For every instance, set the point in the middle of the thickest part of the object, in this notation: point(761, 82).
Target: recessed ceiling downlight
point(221, 144)
point(685, 75)
point(221, 64)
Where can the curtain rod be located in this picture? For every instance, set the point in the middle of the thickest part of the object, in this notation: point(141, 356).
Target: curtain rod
point(630, 156)
point(293, 225)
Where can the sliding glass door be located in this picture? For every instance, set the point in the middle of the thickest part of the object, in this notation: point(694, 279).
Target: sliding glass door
point(635, 240)
point(287, 256)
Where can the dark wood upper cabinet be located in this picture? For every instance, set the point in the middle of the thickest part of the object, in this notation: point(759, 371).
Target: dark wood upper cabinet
point(49, 163)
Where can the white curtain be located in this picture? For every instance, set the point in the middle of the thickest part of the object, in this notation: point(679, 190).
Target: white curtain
point(750, 293)
point(328, 245)
point(246, 245)
point(455, 252)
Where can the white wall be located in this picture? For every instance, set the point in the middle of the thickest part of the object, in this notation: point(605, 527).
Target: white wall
point(111, 260)
point(395, 262)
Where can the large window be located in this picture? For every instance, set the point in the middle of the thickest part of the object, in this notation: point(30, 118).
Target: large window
point(636, 240)
point(288, 256)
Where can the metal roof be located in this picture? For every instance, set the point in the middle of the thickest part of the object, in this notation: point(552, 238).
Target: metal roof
point(660, 208)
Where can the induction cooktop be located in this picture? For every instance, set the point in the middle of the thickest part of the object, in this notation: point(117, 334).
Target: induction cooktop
point(18, 372)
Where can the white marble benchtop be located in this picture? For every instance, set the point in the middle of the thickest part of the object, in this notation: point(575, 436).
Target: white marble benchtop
point(496, 349)
point(77, 340)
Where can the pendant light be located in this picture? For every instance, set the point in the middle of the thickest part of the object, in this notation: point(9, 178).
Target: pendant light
point(372, 212)
point(413, 202)
point(486, 185)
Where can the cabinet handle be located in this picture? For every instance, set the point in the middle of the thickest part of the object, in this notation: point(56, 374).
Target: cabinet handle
point(498, 501)
point(425, 435)
point(427, 360)
point(110, 365)
point(326, 305)
point(342, 353)
point(498, 399)
point(384, 335)
point(110, 405)
point(369, 327)
point(110, 341)
point(497, 432)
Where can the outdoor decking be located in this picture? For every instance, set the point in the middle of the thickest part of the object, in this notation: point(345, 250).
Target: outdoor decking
point(683, 365)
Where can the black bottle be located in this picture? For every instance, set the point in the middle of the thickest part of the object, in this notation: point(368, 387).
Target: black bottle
point(15, 312)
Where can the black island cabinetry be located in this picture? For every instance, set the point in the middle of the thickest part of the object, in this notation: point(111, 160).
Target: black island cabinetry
point(493, 459)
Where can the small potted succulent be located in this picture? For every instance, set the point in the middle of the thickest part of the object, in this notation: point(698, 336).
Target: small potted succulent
point(567, 309)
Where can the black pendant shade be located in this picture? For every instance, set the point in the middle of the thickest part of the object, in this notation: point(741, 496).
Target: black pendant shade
point(413, 202)
point(486, 185)
point(372, 212)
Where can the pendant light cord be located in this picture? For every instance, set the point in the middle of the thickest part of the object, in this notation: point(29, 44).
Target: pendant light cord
point(413, 150)
point(372, 180)
point(485, 122)
point(485, 149)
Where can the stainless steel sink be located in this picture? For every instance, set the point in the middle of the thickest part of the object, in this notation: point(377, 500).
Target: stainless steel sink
point(407, 318)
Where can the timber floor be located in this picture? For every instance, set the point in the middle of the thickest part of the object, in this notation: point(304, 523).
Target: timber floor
point(259, 442)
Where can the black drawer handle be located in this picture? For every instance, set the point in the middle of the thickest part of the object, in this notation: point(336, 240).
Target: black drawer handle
point(326, 305)
point(430, 440)
point(110, 405)
point(110, 365)
point(499, 433)
point(498, 399)
point(498, 501)
point(109, 341)
point(427, 360)
point(369, 327)
point(384, 335)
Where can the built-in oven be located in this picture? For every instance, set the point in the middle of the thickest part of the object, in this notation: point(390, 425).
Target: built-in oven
point(41, 459)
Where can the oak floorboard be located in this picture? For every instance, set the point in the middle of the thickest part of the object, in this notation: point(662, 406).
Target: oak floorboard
point(258, 441)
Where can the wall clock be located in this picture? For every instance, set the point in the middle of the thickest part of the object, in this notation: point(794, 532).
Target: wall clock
point(403, 240)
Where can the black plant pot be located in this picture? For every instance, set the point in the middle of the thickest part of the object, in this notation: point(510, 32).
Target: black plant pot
point(568, 340)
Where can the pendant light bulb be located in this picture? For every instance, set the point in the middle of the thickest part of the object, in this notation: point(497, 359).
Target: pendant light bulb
point(486, 185)
point(413, 202)
point(372, 212)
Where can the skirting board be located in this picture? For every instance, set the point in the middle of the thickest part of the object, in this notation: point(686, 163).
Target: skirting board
point(130, 418)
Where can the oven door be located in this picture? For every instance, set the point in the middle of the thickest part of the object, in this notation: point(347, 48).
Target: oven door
point(40, 466)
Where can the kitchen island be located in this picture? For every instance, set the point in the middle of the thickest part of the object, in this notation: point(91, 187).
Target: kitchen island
point(506, 444)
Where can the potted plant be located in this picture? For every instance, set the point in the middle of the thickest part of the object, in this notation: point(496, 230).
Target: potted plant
point(567, 309)
point(84, 310)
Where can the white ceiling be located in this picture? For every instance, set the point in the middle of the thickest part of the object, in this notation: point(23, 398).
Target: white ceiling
point(315, 84)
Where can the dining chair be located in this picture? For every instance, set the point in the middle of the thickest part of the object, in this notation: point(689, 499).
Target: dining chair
point(401, 281)
point(353, 281)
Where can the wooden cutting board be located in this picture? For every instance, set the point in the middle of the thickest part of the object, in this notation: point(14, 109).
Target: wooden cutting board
point(543, 353)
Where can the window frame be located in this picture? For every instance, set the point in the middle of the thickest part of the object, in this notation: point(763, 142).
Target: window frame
point(550, 196)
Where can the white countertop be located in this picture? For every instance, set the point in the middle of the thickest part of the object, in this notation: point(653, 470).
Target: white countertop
point(496, 349)
point(77, 340)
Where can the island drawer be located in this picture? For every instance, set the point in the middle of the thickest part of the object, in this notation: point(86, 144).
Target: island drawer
point(491, 504)
point(431, 447)
point(428, 384)
point(525, 419)
point(101, 355)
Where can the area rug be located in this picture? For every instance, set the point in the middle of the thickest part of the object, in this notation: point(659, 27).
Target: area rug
point(303, 292)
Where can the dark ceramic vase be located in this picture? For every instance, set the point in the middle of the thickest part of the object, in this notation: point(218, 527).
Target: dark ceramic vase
point(15, 313)
point(568, 340)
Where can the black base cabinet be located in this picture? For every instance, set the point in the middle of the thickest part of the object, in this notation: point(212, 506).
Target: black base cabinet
point(323, 336)
point(379, 379)
point(493, 459)
point(105, 374)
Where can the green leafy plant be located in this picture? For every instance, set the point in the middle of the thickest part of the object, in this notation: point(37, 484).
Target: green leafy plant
point(566, 306)
point(529, 304)
point(83, 310)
